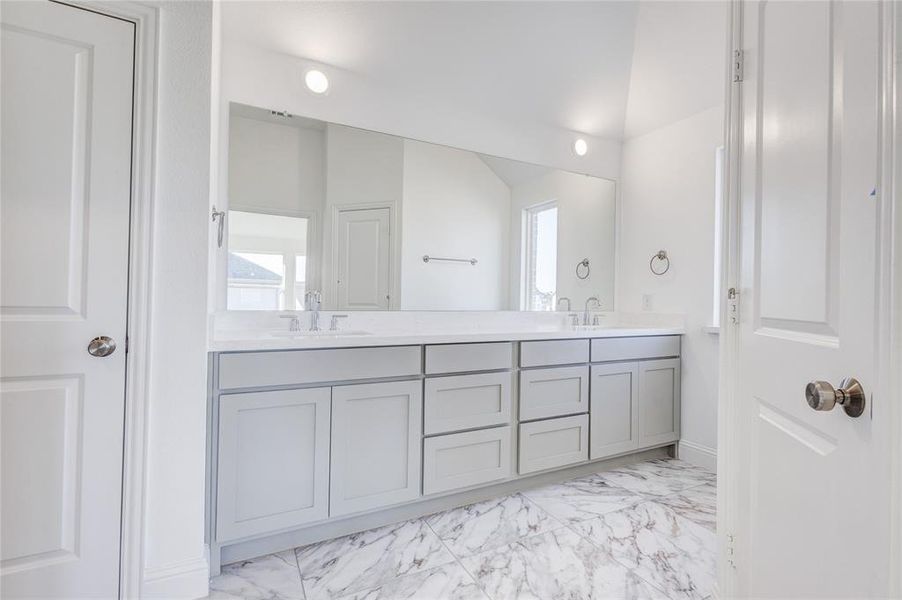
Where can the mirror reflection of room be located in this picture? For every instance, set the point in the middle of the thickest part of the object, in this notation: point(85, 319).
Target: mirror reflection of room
point(370, 221)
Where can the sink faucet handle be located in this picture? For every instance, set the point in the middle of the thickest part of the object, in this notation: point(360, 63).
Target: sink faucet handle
point(574, 319)
point(333, 323)
point(295, 324)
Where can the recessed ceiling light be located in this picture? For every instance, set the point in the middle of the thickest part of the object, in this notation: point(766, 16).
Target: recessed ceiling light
point(580, 147)
point(316, 81)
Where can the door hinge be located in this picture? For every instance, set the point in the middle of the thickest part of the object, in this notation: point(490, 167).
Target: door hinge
point(126, 344)
point(731, 550)
point(738, 61)
point(733, 305)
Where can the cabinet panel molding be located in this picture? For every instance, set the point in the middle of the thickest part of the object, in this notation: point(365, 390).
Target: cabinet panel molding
point(613, 412)
point(273, 463)
point(466, 402)
point(553, 392)
point(460, 460)
point(376, 455)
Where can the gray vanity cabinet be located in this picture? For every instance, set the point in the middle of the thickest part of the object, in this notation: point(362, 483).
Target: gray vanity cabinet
point(553, 392)
point(273, 461)
point(466, 459)
point(376, 452)
point(659, 401)
point(614, 411)
point(553, 443)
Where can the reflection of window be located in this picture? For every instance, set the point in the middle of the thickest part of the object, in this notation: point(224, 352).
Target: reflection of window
point(540, 248)
point(267, 261)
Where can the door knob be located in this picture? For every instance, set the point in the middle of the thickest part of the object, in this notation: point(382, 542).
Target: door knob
point(823, 396)
point(102, 346)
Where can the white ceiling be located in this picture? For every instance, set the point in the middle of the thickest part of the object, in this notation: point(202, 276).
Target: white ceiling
point(561, 64)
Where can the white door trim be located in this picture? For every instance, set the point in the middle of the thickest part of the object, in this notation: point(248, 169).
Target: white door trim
point(146, 20)
point(888, 399)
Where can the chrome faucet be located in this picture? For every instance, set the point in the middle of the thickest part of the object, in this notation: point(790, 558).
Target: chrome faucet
point(312, 302)
point(561, 299)
point(586, 308)
point(294, 324)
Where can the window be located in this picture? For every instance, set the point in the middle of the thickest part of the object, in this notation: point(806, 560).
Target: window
point(540, 249)
point(267, 267)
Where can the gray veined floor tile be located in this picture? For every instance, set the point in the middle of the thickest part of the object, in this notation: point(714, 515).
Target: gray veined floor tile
point(552, 565)
point(365, 560)
point(698, 504)
point(581, 499)
point(662, 547)
point(658, 477)
point(485, 525)
point(272, 577)
point(448, 582)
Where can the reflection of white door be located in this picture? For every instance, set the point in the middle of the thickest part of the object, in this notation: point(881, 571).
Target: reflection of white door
point(66, 83)
point(364, 259)
point(813, 493)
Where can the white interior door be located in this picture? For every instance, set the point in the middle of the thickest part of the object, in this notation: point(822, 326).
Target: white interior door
point(813, 485)
point(66, 80)
point(364, 259)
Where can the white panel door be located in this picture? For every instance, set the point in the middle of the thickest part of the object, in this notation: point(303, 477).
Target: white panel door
point(66, 80)
point(813, 487)
point(364, 259)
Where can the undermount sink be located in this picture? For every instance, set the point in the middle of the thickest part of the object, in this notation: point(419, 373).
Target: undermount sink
point(318, 334)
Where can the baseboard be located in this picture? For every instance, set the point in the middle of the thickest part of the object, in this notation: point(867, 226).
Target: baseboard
point(187, 580)
point(699, 455)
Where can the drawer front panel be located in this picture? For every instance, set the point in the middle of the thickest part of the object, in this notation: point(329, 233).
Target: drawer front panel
point(553, 443)
point(462, 460)
point(467, 402)
point(554, 352)
point(553, 392)
point(635, 348)
point(294, 367)
point(460, 358)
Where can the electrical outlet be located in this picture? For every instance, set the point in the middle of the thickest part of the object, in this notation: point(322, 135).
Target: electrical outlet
point(646, 302)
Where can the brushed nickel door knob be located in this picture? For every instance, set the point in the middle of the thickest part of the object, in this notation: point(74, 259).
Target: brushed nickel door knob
point(823, 396)
point(101, 346)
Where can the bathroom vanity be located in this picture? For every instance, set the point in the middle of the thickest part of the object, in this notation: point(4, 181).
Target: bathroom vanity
point(327, 435)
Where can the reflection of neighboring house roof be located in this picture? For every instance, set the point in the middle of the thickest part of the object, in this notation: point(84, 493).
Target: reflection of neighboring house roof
point(241, 268)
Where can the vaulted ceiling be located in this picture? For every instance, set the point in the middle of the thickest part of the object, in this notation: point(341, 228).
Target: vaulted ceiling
point(608, 69)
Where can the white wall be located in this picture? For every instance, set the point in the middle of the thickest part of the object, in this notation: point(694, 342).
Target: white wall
point(275, 167)
point(454, 206)
point(586, 229)
point(174, 558)
point(362, 168)
point(271, 80)
point(668, 203)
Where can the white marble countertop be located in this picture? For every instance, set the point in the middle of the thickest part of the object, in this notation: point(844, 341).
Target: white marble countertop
point(246, 340)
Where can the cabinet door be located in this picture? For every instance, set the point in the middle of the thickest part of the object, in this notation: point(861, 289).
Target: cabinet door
point(376, 445)
point(553, 443)
point(461, 460)
point(613, 411)
point(659, 401)
point(553, 392)
point(273, 465)
point(467, 402)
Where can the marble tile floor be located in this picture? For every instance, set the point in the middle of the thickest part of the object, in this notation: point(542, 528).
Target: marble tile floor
point(644, 531)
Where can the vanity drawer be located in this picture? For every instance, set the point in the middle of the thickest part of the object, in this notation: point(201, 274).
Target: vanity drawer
point(553, 392)
point(553, 443)
point(459, 358)
point(553, 352)
point(467, 402)
point(294, 367)
point(462, 460)
point(635, 348)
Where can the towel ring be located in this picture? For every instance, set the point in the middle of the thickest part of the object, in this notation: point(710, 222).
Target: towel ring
point(583, 263)
point(660, 255)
